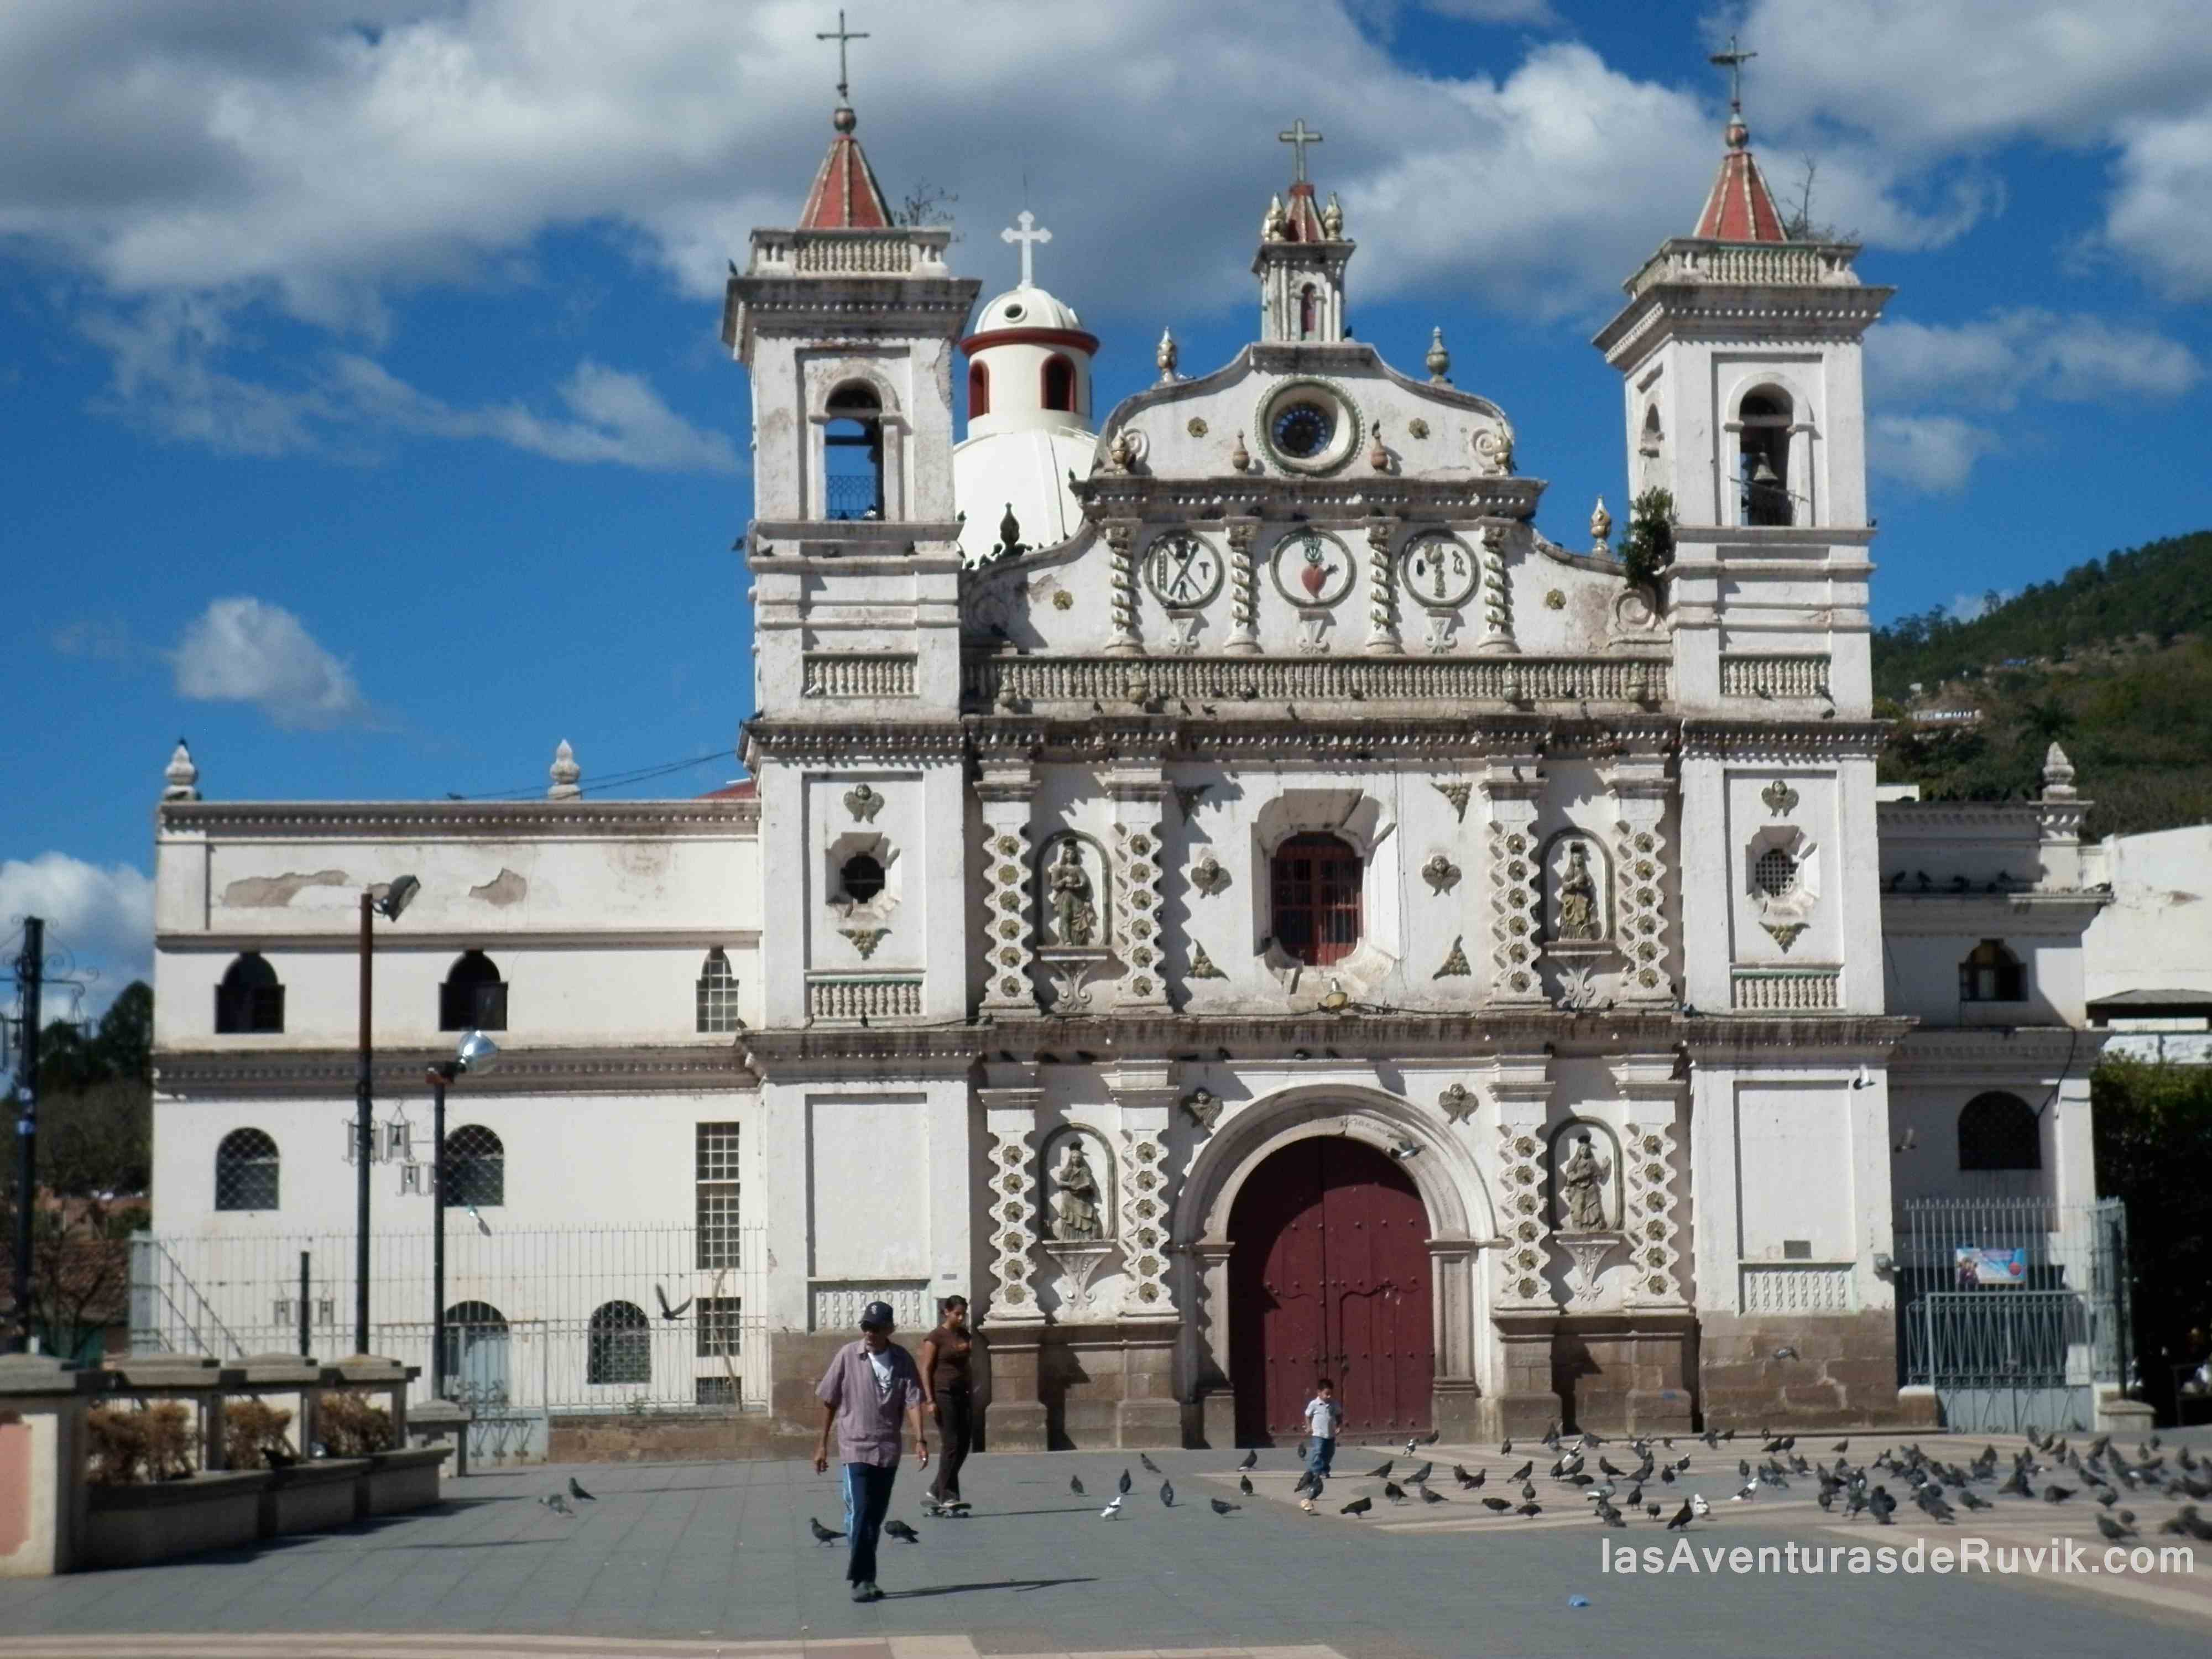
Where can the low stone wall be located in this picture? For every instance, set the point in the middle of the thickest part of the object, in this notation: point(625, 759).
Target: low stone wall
point(633, 1438)
point(1841, 1372)
point(136, 1526)
point(314, 1496)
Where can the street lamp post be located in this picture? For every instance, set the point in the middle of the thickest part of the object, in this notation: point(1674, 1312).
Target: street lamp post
point(395, 899)
point(477, 1053)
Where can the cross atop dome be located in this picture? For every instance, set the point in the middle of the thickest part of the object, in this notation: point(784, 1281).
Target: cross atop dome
point(846, 196)
point(1741, 207)
point(1029, 236)
point(1299, 220)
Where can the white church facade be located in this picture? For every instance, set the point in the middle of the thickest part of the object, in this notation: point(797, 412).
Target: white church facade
point(1216, 885)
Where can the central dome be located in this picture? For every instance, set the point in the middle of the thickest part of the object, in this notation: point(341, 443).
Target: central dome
point(1025, 307)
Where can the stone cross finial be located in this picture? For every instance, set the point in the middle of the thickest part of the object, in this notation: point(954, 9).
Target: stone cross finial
point(1732, 61)
point(1029, 236)
point(183, 778)
point(841, 35)
point(565, 773)
point(1297, 138)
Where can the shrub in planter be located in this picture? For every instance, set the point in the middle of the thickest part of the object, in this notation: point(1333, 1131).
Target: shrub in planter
point(251, 1430)
point(131, 1445)
point(348, 1426)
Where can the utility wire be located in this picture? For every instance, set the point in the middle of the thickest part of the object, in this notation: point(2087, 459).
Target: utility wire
point(614, 781)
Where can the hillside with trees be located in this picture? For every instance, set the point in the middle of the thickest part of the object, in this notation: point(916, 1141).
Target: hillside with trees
point(2113, 660)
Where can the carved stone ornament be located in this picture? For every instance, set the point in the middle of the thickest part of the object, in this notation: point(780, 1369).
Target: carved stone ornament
point(1495, 448)
point(863, 803)
point(1205, 1108)
point(1576, 891)
point(1588, 1252)
point(1079, 1265)
point(1070, 974)
point(1582, 1181)
point(1458, 794)
point(1416, 427)
point(1073, 899)
point(1458, 1102)
point(1784, 933)
point(1578, 987)
point(864, 940)
point(1456, 965)
point(1078, 1208)
point(1202, 965)
point(1209, 875)
point(1781, 799)
point(1196, 426)
point(1441, 873)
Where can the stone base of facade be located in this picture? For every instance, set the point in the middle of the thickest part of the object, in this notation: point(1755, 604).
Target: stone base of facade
point(1625, 1372)
point(1074, 1388)
point(1840, 1372)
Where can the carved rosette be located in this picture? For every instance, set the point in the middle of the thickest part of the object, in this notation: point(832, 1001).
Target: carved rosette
point(1497, 594)
point(1513, 913)
point(1244, 592)
point(1013, 1225)
point(1138, 869)
point(1640, 887)
point(1144, 1223)
point(1121, 538)
point(1647, 1152)
point(1006, 876)
point(1382, 590)
point(1520, 1214)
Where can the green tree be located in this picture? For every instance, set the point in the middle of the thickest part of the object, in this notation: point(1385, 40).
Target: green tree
point(2153, 1135)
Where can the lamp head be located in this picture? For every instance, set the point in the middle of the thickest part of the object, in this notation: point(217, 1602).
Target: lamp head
point(397, 897)
point(476, 1052)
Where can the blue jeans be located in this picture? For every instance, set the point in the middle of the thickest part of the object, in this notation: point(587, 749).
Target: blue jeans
point(1324, 1453)
point(867, 1501)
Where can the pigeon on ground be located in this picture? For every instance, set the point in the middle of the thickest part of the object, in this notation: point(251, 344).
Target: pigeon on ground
point(1382, 1474)
point(1505, 1448)
point(1125, 1483)
point(1972, 1502)
point(1531, 1508)
point(1244, 1485)
point(1304, 1481)
point(1393, 1492)
point(576, 1491)
point(1303, 1446)
point(1222, 1508)
point(1420, 1475)
point(559, 1505)
point(822, 1533)
point(1251, 1461)
point(1497, 1505)
point(900, 1529)
point(1841, 1446)
point(1432, 1436)
point(2112, 1529)
point(1075, 1486)
point(1683, 1517)
point(2055, 1493)
point(1412, 1446)
point(1429, 1496)
point(1522, 1473)
point(1167, 1494)
point(1459, 1474)
point(1150, 1467)
point(1528, 1490)
point(1358, 1506)
point(1697, 1502)
point(1112, 1508)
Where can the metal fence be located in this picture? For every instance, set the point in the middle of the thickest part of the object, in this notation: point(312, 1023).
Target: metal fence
point(539, 1323)
point(2014, 1310)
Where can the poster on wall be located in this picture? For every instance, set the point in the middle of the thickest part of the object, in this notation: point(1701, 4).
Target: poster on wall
point(1978, 1267)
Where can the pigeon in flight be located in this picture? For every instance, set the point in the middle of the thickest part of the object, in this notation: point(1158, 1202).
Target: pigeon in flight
point(1125, 1483)
point(559, 1505)
point(901, 1530)
point(1358, 1506)
point(667, 1312)
point(1221, 1507)
point(1112, 1508)
point(576, 1491)
point(822, 1533)
point(1167, 1494)
point(1382, 1474)
point(1251, 1461)
point(1150, 1467)
point(1075, 1484)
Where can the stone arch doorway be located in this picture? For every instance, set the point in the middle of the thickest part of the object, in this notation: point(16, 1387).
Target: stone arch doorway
point(1329, 1275)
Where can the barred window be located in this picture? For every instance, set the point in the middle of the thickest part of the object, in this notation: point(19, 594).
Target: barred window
point(621, 1345)
point(716, 1171)
point(1999, 1131)
point(476, 1167)
point(250, 1000)
point(1317, 880)
point(1776, 873)
point(245, 1171)
point(716, 1325)
point(1991, 973)
point(473, 996)
point(718, 993)
point(714, 1390)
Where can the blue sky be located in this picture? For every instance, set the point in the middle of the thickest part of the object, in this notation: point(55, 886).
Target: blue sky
point(368, 424)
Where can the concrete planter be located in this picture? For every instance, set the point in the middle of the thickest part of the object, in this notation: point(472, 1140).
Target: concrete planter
point(311, 1497)
point(394, 1482)
point(136, 1526)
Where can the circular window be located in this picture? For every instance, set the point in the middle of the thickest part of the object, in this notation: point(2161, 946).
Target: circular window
point(1301, 430)
point(1776, 873)
point(1013, 311)
point(862, 877)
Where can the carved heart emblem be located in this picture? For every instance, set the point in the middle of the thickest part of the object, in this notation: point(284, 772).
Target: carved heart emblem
point(1314, 575)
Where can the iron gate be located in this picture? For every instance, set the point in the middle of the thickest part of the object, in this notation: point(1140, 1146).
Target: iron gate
point(2014, 1310)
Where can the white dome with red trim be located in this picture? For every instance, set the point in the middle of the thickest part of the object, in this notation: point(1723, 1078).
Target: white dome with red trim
point(1023, 308)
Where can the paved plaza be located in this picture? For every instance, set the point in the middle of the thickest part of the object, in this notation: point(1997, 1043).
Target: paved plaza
point(707, 1558)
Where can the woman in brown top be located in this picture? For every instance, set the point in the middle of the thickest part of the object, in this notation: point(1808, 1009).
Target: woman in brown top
point(947, 1356)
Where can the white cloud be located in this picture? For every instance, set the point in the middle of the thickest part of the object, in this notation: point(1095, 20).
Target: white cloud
point(1494, 11)
point(1996, 361)
point(242, 650)
point(99, 919)
point(1934, 452)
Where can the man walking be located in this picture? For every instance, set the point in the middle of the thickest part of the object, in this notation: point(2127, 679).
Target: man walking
point(869, 1385)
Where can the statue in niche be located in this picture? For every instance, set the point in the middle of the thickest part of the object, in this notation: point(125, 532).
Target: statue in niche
point(1578, 908)
point(1581, 1183)
point(1075, 916)
point(1075, 1207)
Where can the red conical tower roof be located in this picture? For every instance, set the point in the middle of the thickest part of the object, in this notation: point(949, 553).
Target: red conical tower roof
point(1741, 207)
point(846, 196)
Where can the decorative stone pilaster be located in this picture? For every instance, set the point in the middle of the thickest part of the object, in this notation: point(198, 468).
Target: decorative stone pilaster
point(1243, 590)
point(1640, 790)
point(1521, 1087)
point(1010, 1116)
point(1652, 1216)
point(1137, 834)
point(1382, 590)
point(1497, 639)
point(1122, 642)
point(1005, 790)
point(1511, 785)
point(1145, 1091)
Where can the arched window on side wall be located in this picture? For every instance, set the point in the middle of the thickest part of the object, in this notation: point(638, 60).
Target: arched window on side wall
point(477, 1354)
point(1308, 311)
point(852, 454)
point(1991, 973)
point(979, 390)
point(621, 1345)
point(473, 996)
point(245, 1171)
point(476, 1167)
point(1059, 387)
point(1999, 1131)
point(250, 1000)
point(716, 990)
point(1765, 417)
point(1315, 882)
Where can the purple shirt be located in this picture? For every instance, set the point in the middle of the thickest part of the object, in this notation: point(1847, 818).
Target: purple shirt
point(868, 1423)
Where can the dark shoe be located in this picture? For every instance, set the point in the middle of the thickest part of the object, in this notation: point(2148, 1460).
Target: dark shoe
point(873, 1593)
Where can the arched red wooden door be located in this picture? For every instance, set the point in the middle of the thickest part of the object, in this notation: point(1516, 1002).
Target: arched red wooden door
point(1329, 1276)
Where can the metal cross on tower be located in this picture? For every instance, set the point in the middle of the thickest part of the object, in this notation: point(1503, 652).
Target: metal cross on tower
point(841, 36)
point(1029, 236)
point(1732, 61)
point(1298, 138)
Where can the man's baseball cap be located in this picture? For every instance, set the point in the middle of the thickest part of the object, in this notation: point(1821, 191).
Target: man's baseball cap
point(877, 1313)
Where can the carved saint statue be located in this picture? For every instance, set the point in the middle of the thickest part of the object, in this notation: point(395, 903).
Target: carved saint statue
point(1581, 1181)
point(1578, 912)
point(1075, 1197)
point(1074, 918)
